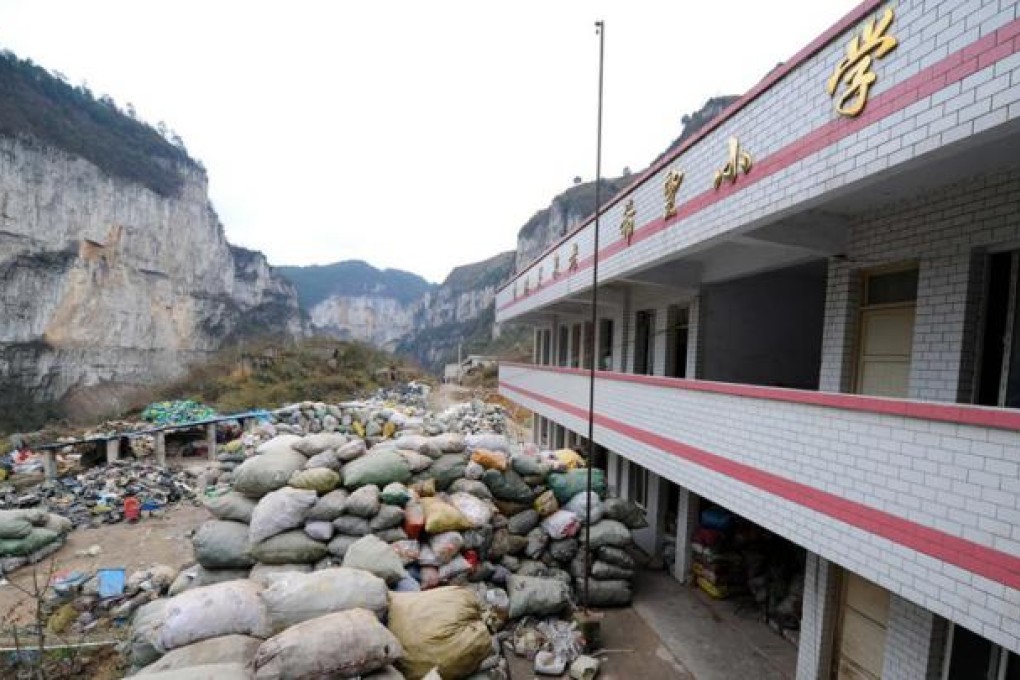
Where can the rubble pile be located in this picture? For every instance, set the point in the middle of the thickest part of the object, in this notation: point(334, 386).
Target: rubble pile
point(374, 511)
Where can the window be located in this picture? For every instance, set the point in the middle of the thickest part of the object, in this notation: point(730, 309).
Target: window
point(638, 482)
point(999, 376)
point(644, 342)
point(972, 657)
point(605, 344)
point(546, 347)
point(575, 346)
point(589, 345)
point(561, 350)
point(677, 326)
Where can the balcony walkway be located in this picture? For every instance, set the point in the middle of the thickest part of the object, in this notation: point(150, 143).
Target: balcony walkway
point(709, 637)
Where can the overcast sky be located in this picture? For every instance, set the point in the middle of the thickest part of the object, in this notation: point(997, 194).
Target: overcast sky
point(417, 135)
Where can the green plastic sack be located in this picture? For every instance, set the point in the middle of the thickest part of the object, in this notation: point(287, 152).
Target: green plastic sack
point(16, 524)
point(379, 468)
point(36, 539)
point(290, 547)
point(566, 485)
point(447, 469)
point(395, 493)
point(220, 544)
point(508, 486)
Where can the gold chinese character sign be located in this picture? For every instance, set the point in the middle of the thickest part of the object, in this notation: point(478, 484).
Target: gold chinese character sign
point(674, 179)
point(629, 219)
point(573, 258)
point(854, 70)
point(539, 284)
point(556, 264)
point(739, 161)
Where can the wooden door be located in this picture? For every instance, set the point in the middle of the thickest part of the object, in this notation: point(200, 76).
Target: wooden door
point(887, 336)
point(861, 630)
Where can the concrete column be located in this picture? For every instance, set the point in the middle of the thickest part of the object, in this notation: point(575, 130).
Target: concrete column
point(915, 642)
point(686, 524)
point(625, 322)
point(248, 424)
point(611, 481)
point(650, 538)
point(210, 436)
point(49, 463)
point(839, 329)
point(695, 338)
point(161, 448)
point(112, 449)
point(818, 618)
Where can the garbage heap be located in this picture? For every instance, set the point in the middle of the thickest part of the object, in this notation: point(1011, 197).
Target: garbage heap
point(28, 536)
point(96, 496)
point(445, 537)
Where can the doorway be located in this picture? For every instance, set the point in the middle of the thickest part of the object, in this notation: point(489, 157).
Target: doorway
point(861, 629)
point(887, 332)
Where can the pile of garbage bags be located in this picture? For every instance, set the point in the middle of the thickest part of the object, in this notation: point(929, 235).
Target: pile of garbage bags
point(96, 495)
point(389, 511)
point(28, 536)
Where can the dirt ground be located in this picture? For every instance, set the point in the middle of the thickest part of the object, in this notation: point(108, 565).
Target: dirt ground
point(151, 541)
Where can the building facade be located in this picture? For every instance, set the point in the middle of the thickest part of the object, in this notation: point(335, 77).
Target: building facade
point(808, 315)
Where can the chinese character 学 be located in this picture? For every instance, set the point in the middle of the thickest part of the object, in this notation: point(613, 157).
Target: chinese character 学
point(629, 218)
point(573, 258)
point(739, 161)
point(854, 70)
point(674, 179)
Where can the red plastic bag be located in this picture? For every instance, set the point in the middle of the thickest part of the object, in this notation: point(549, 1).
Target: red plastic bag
point(414, 520)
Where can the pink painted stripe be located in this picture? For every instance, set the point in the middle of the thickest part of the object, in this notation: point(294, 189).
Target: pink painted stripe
point(992, 564)
point(961, 414)
point(955, 67)
point(856, 14)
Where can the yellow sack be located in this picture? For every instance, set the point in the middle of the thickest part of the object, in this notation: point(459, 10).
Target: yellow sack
point(440, 628)
point(388, 429)
point(440, 516)
point(359, 429)
point(572, 459)
point(490, 460)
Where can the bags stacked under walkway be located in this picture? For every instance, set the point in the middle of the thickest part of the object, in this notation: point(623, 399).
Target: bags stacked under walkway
point(28, 536)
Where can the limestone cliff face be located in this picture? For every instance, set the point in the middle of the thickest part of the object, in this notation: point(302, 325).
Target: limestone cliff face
point(105, 282)
point(377, 320)
point(565, 212)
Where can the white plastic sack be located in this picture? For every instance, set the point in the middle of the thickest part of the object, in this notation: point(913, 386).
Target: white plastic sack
point(492, 442)
point(477, 511)
point(346, 644)
point(577, 505)
point(294, 597)
point(229, 608)
point(279, 511)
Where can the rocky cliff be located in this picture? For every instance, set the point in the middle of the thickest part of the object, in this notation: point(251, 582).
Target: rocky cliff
point(460, 311)
point(112, 279)
point(402, 312)
point(565, 212)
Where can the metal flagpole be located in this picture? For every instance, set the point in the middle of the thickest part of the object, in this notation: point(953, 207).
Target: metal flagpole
point(600, 30)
